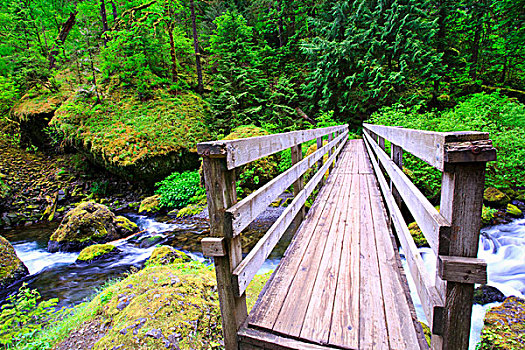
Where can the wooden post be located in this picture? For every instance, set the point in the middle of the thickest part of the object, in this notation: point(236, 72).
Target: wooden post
point(461, 203)
point(320, 161)
point(396, 153)
point(221, 194)
point(298, 185)
point(330, 138)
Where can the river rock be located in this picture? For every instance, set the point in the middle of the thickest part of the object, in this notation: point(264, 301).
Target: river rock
point(165, 255)
point(12, 268)
point(504, 326)
point(487, 294)
point(150, 205)
point(514, 211)
point(89, 223)
point(97, 252)
point(495, 198)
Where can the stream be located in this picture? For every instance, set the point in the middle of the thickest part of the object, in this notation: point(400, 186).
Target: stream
point(56, 275)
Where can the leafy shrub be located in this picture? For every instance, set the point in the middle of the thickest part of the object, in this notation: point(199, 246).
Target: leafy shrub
point(178, 189)
point(502, 117)
point(23, 315)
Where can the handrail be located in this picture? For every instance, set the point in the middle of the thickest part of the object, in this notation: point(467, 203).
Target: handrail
point(242, 151)
point(452, 233)
point(229, 218)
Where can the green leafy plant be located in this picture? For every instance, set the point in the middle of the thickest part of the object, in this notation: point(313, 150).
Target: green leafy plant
point(24, 314)
point(99, 188)
point(178, 189)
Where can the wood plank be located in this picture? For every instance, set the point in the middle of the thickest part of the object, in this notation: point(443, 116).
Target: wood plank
point(401, 332)
point(396, 154)
point(431, 300)
point(344, 330)
point(292, 314)
point(462, 270)
point(426, 145)
point(213, 246)
point(431, 222)
point(244, 212)
point(247, 269)
point(235, 151)
point(266, 312)
point(372, 323)
point(271, 341)
point(317, 321)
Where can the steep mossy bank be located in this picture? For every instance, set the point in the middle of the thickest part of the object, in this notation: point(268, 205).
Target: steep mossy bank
point(12, 268)
point(139, 140)
point(171, 306)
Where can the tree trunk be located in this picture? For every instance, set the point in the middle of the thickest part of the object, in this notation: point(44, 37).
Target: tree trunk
point(475, 45)
point(200, 86)
point(114, 7)
point(104, 18)
point(61, 38)
point(173, 55)
point(280, 25)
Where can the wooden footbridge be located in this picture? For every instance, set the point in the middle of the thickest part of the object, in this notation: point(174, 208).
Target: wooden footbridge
point(340, 284)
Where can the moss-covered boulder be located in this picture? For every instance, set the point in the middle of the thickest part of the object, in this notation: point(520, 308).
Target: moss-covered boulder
point(87, 224)
point(150, 205)
point(97, 252)
point(504, 326)
point(487, 294)
point(139, 140)
point(513, 210)
point(417, 235)
point(165, 255)
point(12, 268)
point(261, 171)
point(495, 198)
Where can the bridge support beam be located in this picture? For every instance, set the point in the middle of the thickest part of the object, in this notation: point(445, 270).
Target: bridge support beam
point(461, 204)
point(221, 194)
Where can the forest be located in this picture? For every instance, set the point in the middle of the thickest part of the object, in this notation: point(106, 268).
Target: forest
point(102, 103)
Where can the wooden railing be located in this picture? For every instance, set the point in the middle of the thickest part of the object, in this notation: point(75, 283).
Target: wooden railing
point(228, 218)
point(452, 232)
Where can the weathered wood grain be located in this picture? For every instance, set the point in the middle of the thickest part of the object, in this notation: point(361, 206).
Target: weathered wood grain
point(244, 212)
point(431, 222)
point(462, 270)
point(213, 246)
point(242, 151)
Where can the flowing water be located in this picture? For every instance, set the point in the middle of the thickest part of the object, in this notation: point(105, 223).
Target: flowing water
point(57, 274)
point(503, 248)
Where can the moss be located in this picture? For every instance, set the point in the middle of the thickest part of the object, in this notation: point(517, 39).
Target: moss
point(150, 204)
point(487, 214)
point(94, 252)
point(426, 331)
point(190, 210)
point(261, 171)
point(89, 223)
point(11, 267)
point(4, 188)
point(165, 255)
point(494, 197)
point(38, 102)
point(138, 140)
point(514, 210)
point(504, 326)
point(417, 235)
point(276, 203)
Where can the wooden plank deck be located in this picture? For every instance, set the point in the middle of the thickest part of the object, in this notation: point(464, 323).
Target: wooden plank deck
point(340, 284)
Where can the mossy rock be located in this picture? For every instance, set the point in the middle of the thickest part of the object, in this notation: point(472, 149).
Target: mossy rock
point(417, 235)
point(165, 255)
point(87, 224)
point(487, 215)
point(4, 189)
point(12, 268)
point(495, 198)
point(261, 171)
point(485, 294)
point(150, 205)
point(504, 326)
point(190, 210)
point(427, 332)
point(144, 141)
point(97, 252)
point(513, 210)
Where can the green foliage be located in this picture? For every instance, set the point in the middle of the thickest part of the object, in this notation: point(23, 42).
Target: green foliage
point(500, 116)
point(178, 189)
point(99, 188)
point(23, 315)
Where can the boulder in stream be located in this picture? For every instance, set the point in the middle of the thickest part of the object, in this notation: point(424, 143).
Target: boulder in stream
point(165, 255)
point(12, 268)
point(87, 224)
point(504, 326)
point(97, 252)
point(487, 294)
